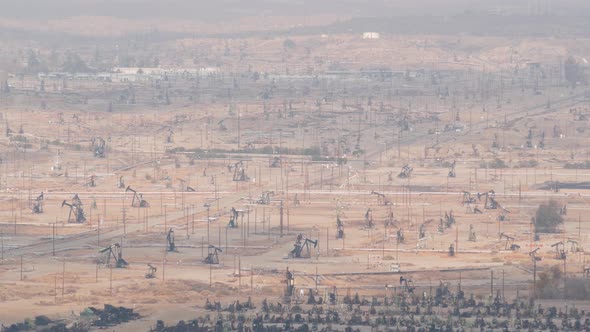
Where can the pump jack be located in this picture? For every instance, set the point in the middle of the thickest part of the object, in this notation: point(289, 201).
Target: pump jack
point(472, 235)
point(240, 172)
point(151, 271)
point(339, 228)
point(407, 285)
point(574, 246)
point(490, 202)
point(381, 198)
point(171, 247)
point(265, 198)
point(369, 218)
point(533, 255)
point(121, 183)
point(422, 232)
point(99, 147)
point(452, 250)
point(92, 181)
point(302, 247)
point(509, 244)
point(233, 220)
point(212, 257)
point(38, 204)
point(75, 209)
point(406, 172)
point(138, 200)
point(290, 281)
point(559, 250)
point(467, 199)
point(276, 162)
point(115, 252)
point(400, 236)
point(452, 173)
point(170, 137)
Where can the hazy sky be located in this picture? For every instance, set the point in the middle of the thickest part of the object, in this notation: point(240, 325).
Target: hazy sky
point(211, 10)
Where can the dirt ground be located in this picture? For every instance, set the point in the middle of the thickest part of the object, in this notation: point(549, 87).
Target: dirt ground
point(51, 266)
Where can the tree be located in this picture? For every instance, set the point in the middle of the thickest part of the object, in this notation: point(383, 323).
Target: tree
point(574, 73)
point(75, 64)
point(289, 44)
point(548, 283)
point(547, 217)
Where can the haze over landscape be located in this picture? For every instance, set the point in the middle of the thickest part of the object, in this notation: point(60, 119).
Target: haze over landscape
point(276, 165)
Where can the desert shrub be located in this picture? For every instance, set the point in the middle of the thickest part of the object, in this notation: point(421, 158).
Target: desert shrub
point(547, 218)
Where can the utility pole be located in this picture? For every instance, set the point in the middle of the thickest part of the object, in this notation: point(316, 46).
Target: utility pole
point(63, 278)
point(281, 219)
point(53, 239)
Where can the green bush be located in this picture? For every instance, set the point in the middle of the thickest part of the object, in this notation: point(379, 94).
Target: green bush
point(547, 217)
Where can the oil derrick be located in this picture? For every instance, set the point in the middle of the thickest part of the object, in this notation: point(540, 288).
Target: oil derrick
point(37, 205)
point(113, 256)
point(472, 235)
point(406, 172)
point(407, 285)
point(239, 172)
point(233, 220)
point(559, 250)
point(151, 274)
point(138, 200)
point(452, 173)
point(381, 199)
point(302, 247)
point(99, 147)
point(170, 246)
point(509, 243)
point(339, 228)
point(76, 213)
point(212, 257)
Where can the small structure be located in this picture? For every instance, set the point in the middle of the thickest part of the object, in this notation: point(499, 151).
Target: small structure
point(371, 35)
